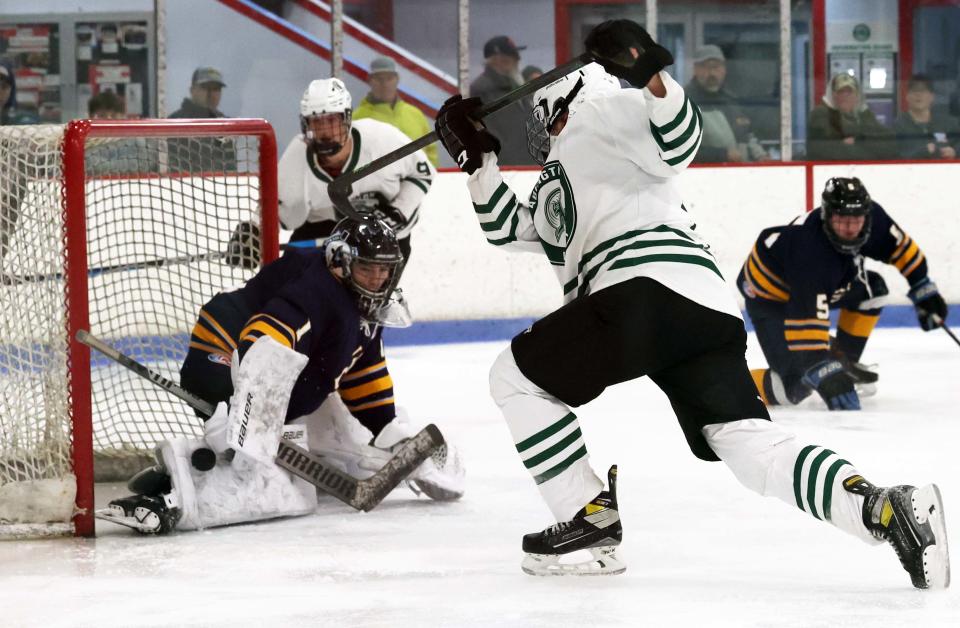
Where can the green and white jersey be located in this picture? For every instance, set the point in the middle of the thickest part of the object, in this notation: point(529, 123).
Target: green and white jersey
point(605, 207)
point(302, 183)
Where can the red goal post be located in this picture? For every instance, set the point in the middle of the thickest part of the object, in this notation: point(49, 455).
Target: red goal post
point(143, 211)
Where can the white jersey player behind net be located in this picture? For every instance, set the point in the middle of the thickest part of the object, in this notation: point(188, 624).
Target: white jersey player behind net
point(332, 144)
point(643, 297)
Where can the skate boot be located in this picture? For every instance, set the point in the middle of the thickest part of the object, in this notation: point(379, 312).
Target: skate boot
point(596, 528)
point(146, 514)
point(911, 520)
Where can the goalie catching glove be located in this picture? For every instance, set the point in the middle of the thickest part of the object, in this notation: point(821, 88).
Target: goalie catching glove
point(460, 135)
point(611, 43)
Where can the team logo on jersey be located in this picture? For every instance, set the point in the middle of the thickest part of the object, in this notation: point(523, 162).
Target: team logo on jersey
point(554, 211)
point(218, 358)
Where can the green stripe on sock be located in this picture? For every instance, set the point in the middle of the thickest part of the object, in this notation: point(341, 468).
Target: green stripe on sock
point(546, 475)
point(527, 443)
point(828, 486)
point(798, 471)
point(553, 450)
point(812, 481)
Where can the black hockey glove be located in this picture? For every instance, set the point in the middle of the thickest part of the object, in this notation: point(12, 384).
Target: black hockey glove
point(930, 306)
point(834, 384)
point(458, 133)
point(244, 247)
point(611, 41)
point(376, 204)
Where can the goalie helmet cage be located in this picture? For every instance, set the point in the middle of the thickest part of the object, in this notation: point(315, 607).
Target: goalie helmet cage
point(119, 227)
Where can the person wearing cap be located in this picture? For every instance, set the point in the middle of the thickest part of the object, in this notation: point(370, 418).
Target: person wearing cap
point(842, 127)
point(501, 75)
point(924, 132)
point(727, 134)
point(9, 114)
point(206, 87)
point(383, 103)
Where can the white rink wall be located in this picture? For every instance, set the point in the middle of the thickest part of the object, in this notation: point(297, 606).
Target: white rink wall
point(454, 274)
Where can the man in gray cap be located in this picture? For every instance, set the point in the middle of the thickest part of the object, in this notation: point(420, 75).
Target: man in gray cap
point(206, 87)
point(501, 75)
point(383, 103)
point(727, 135)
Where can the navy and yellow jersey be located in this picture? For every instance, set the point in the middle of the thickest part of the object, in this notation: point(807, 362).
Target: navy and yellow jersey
point(795, 265)
point(298, 302)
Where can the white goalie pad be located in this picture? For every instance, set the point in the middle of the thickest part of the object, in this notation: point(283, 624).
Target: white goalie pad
point(338, 436)
point(240, 491)
point(261, 390)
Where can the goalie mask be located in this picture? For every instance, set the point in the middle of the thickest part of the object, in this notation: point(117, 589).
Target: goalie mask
point(366, 255)
point(559, 101)
point(325, 115)
point(845, 197)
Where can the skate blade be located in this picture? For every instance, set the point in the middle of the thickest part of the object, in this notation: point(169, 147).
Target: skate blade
point(928, 508)
point(605, 563)
point(107, 514)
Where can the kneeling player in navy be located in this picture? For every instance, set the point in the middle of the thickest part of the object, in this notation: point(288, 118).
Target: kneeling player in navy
point(798, 272)
point(271, 354)
point(643, 296)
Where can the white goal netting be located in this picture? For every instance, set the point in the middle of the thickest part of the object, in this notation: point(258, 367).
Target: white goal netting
point(158, 213)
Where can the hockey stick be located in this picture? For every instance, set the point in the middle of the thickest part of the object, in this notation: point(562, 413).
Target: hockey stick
point(16, 280)
point(950, 333)
point(341, 187)
point(360, 494)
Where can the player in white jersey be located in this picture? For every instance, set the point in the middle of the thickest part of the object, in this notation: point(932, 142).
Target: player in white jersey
point(643, 297)
point(331, 145)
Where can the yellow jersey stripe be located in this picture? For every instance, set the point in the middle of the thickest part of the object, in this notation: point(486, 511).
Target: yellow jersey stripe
point(213, 323)
point(382, 364)
point(798, 322)
point(365, 390)
point(807, 334)
point(773, 276)
point(907, 257)
point(913, 266)
point(759, 278)
point(199, 345)
point(810, 347)
point(208, 336)
point(265, 328)
point(897, 252)
point(280, 325)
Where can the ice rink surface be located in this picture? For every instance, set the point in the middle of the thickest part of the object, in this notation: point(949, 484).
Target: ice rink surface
point(700, 549)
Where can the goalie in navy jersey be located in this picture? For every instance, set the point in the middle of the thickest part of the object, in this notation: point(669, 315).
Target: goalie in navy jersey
point(798, 272)
point(273, 353)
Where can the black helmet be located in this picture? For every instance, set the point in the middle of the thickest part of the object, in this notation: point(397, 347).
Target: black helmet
point(371, 241)
point(845, 197)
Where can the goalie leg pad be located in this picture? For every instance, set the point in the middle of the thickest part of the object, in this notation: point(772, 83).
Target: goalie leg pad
point(262, 386)
point(234, 492)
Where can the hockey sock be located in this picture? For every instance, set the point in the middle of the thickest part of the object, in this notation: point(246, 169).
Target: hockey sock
point(853, 331)
point(547, 437)
point(769, 460)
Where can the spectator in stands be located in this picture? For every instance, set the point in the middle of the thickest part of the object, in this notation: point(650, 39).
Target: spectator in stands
point(206, 88)
point(105, 105)
point(8, 98)
point(211, 154)
point(727, 134)
point(842, 128)
point(501, 75)
point(531, 72)
point(923, 133)
point(383, 103)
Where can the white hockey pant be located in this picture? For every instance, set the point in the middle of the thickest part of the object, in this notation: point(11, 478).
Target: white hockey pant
point(547, 436)
point(769, 460)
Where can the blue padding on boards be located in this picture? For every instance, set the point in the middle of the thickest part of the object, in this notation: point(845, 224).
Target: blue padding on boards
point(487, 330)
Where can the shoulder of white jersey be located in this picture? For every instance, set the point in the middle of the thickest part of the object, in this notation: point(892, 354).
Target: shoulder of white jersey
point(296, 144)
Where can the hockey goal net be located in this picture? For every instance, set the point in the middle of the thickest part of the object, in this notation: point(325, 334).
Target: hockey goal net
point(121, 228)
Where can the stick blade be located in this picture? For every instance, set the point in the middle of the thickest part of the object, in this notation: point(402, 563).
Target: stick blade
point(317, 471)
point(407, 458)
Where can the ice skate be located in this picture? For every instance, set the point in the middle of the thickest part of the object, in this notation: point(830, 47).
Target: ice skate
point(143, 513)
point(911, 520)
point(596, 528)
